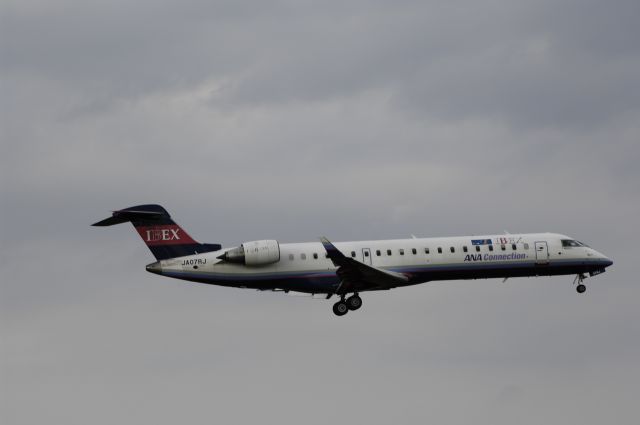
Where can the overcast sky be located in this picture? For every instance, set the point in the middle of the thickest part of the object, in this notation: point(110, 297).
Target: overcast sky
point(295, 119)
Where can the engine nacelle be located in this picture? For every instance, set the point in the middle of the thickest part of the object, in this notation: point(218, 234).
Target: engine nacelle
point(255, 253)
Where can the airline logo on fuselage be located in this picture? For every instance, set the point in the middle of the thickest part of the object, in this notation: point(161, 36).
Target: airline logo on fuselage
point(495, 257)
point(503, 240)
point(500, 240)
point(480, 241)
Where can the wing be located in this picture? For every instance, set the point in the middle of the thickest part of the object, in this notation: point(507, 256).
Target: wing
point(356, 276)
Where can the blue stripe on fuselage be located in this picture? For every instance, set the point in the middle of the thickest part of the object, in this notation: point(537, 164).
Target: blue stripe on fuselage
point(322, 281)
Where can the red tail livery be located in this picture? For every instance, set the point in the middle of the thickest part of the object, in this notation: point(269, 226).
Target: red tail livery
point(162, 235)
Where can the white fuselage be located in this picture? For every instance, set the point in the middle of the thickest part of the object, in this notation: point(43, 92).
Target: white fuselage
point(305, 267)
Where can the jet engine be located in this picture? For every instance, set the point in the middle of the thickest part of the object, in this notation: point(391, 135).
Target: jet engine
point(255, 253)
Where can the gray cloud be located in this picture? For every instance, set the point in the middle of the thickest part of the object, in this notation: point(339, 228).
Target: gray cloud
point(556, 64)
point(293, 120)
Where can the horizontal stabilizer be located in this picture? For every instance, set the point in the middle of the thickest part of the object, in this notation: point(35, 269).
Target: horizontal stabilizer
point(143, 213)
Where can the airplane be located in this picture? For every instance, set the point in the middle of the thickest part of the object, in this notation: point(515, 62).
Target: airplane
point(345, 268)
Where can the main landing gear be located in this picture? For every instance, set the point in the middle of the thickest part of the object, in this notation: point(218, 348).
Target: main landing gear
point(581, 287)
point(343, 306)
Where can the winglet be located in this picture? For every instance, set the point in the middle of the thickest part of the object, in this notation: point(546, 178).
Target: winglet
point(326, 242)
point(332, 252)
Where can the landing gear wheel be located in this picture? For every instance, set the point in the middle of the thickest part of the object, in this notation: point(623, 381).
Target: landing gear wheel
point(340, 308)
point(354, 302)
point(579, 278)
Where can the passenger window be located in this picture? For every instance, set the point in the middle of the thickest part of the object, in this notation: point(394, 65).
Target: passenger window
point(439, 250)
point(353, 254)
point(502, 247)
point(315, 255)
point(415, 251)
point(291, 257)
point(490, 247)
point(402, 252)
point(513, 246)
point(452, 249)
point(366, 253)
point(426, 251)
point(477, 248)
point(464, 248)
point(378, 252)
point(388, 252)
point(526, 246)
point(303, 256)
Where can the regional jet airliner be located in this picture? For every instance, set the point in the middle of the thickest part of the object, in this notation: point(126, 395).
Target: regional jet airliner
point(346, 269)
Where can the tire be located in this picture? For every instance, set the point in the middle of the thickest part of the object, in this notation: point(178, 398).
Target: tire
point(340, 308)
point(581, 288)
point(354, 302)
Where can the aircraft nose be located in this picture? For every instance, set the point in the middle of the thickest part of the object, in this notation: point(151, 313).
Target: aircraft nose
point(603, 260)
point(154, 268)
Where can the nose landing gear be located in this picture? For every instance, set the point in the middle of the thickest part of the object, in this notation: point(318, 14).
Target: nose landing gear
point(579, 279)
point(343, 306)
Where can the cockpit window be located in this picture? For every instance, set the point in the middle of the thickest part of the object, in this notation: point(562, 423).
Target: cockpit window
point(568, 243)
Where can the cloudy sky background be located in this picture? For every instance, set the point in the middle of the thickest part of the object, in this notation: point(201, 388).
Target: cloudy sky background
point(294, 119)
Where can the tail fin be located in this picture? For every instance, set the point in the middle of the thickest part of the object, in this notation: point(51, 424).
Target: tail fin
point(162, 235)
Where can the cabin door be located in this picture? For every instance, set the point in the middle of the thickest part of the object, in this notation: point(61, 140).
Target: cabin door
point(366, 256)
point(542, 253)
